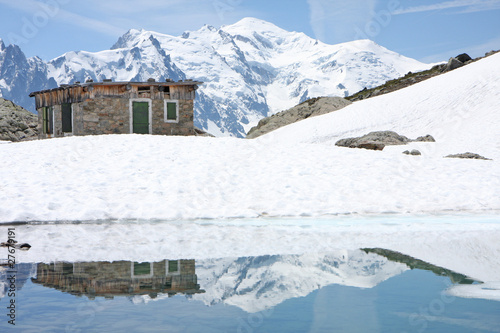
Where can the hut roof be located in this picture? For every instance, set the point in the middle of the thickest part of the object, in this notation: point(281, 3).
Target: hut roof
point(120, 83)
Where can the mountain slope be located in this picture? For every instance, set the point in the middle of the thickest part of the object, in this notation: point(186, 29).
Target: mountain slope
point(458, 108)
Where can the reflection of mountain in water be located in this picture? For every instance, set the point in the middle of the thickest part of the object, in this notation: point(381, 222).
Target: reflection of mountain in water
point(121, 278)
point(22, 273)
point(257, 283)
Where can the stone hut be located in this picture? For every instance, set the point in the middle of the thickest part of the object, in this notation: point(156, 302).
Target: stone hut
point(91, 108)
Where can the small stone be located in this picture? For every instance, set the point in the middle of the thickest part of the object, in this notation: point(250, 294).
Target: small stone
point(415, 152)
point(406, 152)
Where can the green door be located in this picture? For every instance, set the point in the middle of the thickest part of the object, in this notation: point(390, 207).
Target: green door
point(140, 117)
point(67, 122)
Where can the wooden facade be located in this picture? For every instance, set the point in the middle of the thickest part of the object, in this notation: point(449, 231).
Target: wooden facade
point(113, 107)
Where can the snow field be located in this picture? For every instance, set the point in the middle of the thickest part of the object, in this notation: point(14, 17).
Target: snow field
point(293, 171)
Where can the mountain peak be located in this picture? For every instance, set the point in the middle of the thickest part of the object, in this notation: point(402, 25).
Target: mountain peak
point(125, 40)
point(253, 24)
point(2, 45)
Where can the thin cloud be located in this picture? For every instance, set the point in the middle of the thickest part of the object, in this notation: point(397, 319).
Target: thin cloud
point(466, 5)
point(37, 8)
point(339, 19)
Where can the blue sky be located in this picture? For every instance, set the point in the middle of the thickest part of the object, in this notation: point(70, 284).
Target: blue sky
point(426, 30)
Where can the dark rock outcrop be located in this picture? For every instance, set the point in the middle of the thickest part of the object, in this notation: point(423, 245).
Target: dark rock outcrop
point(464, 57)
point(310, 108)
point(468, 156)
point(16, 123)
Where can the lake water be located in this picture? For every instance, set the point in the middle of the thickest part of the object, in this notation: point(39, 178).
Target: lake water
point(367, 289)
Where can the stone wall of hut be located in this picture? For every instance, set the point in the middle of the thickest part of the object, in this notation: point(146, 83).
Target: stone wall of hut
point(111, 115)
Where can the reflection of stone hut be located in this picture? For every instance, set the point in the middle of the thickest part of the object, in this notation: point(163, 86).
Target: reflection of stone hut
point(90, 108)
point(122, 278)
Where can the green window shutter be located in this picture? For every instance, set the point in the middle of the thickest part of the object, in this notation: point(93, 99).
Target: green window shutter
point(50, 120)
point(171, 111)
point(142, 268)
point(45, 118)
point(140, 117)
point(67, 122)
point(173, 267)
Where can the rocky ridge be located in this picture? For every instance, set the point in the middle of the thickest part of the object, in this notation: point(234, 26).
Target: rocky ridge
point(16, 123)
point(310, 108)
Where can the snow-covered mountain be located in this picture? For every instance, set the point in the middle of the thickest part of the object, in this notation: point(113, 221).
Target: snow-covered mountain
point(20, 75)
point(258, 283)
point(251, 69)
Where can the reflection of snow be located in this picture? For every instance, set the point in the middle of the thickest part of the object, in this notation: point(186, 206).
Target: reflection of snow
point(489, 290)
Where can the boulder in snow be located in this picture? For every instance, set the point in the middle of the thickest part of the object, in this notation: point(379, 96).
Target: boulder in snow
point(469, 156)
point(382, 137)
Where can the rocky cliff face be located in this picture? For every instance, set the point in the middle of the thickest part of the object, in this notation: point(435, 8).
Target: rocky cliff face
point(19, 76)
point(16, 123)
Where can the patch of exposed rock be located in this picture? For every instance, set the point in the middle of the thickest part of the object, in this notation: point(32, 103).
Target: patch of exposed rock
point(16, 123)
point(310, 108)
point(378, 140)
point(199, 132)
point(469, 156)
